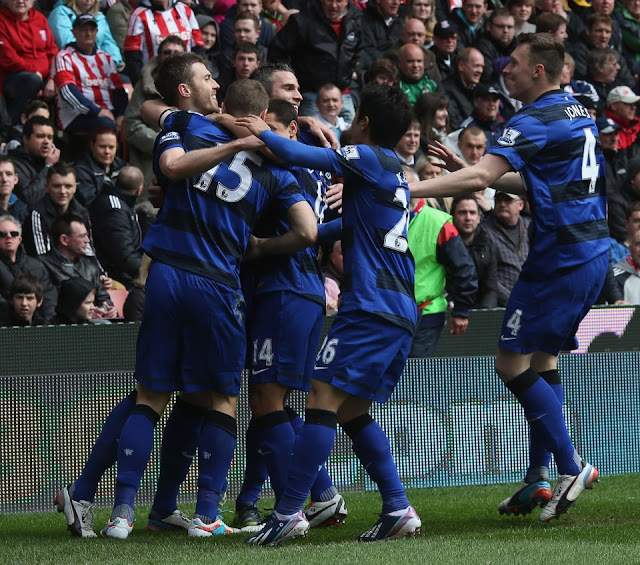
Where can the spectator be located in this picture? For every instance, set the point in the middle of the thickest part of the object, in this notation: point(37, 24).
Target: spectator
point(466, 218)
point(216, 9)
point(616, 161)
point(627, 272)
point(15, 261)
point(509, 232)
point(134, 304)
point(413, 80)
point(496, 43)
point(227, 25)
point(27, 49)
point(622, 104)
point(9, 202)
point(116, 228)
point(90, 91)
point(57, 201)
point(117, 17)
point(432, 111)
point(323, 44)
point(98, 167)
point(521, 10)
point(598, 34)
point(329, 104)
point(76, 302)
point(628, 17)
point(383, 71)
point(33, 159)
point(620, 251)
point(139, 135)
point(425, 11)
point(606, 7)
point(574, 23)
point(210, 32)
point(579, 89)
point(620, 200)
point(35, 107)
point(63, 17)
point(486, 113)
point(25, 297)
point(409, 145)
point(445, 47)
point(68, 258)
point(245, 60)
point(428, 168)
point(276, 14)
point(441, 260)
point(468, 21)
point(553, 24)
point(152, 22)
point(459, 85)
point(414, 33)
point(381, 27)
point(602, 71)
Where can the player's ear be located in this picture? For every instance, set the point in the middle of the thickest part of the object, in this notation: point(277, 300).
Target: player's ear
point(263, 114)
point(184, 90)
point(293, 129)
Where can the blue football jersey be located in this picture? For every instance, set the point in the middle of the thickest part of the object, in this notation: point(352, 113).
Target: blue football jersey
point(205, 221)
point(378, 267)
point(299, 272)
point(554, 144)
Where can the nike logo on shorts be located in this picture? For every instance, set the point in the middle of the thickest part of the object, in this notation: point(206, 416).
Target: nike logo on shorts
point(254, 372)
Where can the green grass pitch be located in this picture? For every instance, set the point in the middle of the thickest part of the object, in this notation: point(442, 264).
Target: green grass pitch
point(459, 526)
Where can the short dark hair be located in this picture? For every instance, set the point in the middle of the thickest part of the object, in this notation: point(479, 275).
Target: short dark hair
point(62, 226)
point(26, 283)
point(246, 47)
point(33, 121)
point(246, 15)
point(283, 110)
point(60, 168)
point(173, 72)
point(7, 159)
point(458, 199)
point(264, 74)
point(244, 97)
point(383, 66)
point(171, 39)
point(499, 13)
point(599, 18)
point(546, 50)
point(548, 22)
point(633, 207)
point(35, 104)
point(473, 131)
point(389, 112)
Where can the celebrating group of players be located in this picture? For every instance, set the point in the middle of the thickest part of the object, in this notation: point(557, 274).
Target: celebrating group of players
point(229, 201)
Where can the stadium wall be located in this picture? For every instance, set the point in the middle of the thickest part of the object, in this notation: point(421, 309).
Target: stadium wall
point(450, 421)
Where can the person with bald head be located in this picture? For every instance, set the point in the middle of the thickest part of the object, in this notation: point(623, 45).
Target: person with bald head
point(414, 82)
point(116, 228)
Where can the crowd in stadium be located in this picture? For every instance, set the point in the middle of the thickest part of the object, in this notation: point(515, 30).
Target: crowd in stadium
point(77, 191)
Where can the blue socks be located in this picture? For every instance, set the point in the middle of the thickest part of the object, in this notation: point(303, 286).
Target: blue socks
point(544, 414)
point(312, 447)
point(276, 445)
point(255, 472)
point(179, 444)
point(539, 454)
point(215, 451)
point(372, 447)
point(134, 450)
point(105, 451)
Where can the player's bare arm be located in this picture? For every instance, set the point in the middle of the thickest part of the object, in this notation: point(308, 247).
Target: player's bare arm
point(303, 233)
point(471, 179)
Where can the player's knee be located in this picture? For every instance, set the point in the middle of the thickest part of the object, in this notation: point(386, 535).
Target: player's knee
point(225, 403)
point(156, 400)
point(265, 398)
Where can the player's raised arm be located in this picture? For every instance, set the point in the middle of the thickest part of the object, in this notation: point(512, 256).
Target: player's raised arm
point(290, 151)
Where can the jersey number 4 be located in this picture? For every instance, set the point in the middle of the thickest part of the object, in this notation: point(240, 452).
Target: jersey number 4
point(590, 167)
point(236, 166)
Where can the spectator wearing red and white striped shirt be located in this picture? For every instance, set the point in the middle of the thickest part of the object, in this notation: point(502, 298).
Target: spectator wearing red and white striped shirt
point(150, 23)
point(90, 91)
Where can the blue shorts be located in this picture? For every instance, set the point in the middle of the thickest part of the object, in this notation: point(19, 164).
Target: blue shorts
point(285, 332)
point(545, 315)
point(363, 355)
point(192, 336)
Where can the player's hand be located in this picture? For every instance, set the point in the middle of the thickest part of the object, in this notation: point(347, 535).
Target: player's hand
point(451, 161)
point(318, 129)
point(155, 193)
point(253, 249)
point(334, 196)
point(458, 325)
point(332, 306)
point(250, 143)
point(253, 123)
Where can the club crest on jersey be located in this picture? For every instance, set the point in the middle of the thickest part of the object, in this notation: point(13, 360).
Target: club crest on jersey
point(509, 137)
point(349, 152)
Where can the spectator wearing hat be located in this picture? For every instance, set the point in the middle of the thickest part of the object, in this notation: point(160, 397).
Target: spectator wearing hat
point(616, 161)
point(445, 47)
point(210, 38)
point(508, 229)
point(621, 108)
point(496, 43)
point(90, 91)
point(486, 112)
point(76, 302)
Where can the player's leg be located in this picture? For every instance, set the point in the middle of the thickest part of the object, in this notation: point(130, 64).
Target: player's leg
point(179, 444)
point(76, 499)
